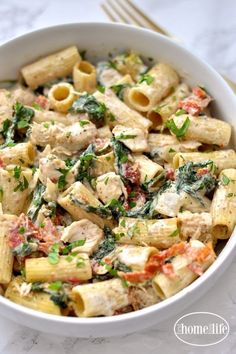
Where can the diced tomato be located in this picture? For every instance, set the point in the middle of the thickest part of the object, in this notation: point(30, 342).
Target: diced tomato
point(170, 174)
point(1, 163)
point(131, 172)
point(126, 205)
point(178, 248)
point(74, 280)
point(168, 269)
point(196, 268)
point(202, 171)
point(190, 106)
point(199, 92)
point(137, 277)
point(57, 219)
point(15, 238)
point(42, 101)
point(46, 235)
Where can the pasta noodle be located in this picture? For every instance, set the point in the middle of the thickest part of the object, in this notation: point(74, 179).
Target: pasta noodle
point(115, 185)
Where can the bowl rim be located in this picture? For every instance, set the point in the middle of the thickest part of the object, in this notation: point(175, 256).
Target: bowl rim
point(199, 282)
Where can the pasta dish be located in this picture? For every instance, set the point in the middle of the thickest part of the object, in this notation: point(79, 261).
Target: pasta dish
point(116, 184)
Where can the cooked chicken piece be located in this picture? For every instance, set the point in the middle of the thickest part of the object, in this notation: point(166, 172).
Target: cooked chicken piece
point(107, 75)
point(83, 230)
point(110, 186)
point(134, 138)
point(141, 297)
point(196, 226)
point(52, 168)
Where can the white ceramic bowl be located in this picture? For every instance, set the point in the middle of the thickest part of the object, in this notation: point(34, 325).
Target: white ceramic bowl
point(99, 39)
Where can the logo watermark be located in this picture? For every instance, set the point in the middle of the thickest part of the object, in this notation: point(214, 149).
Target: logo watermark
point(201, 329)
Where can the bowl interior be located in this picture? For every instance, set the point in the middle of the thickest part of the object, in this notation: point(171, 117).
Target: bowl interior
point(101, 39)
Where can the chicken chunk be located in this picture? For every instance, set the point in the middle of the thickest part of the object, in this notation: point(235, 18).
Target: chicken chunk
point(83, 230)
point(110, 186)
point(134, 138)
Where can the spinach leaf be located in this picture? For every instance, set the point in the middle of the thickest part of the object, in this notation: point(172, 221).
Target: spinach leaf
point(121, 153)
point(106, 246)
point(188, 179)
point(37, 201)
point(86, 159)
point(119, 90)
point(22, 116)
point(88, 104)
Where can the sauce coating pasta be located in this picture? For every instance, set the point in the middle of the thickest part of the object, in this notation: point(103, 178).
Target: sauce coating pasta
point(115, 185)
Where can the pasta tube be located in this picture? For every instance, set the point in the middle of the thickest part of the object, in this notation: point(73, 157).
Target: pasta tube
point(98, 299)
point(121, 113)
point(160, 80)
point(196, 226)
point(183, 273)
point(135, 257)
point(161, 233)
point(53, 117)
point(50, 67)
point(61, 97)
point(223, 207)
point(16, 187)
point(205, 129)
point(20, 154)
point(84, 76)
point(68, 267)
point(168, 106)
point(19, 292)
point(148, 169)
point(6, 257)
point(223, 159)
point(75, 200)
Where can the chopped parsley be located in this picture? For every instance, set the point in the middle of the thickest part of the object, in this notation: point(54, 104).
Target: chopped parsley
point(17, 172)
point(180, 112)
point(101, 88)
point(175, 233)
point(119, 90)
point(225, 180)
point(83, 122)
point(146, 78)
point(72, 245)
point(178, 132)
point(22, 185)
point(1, 194)
point(62, 179)
point(53, 256)
point(55, 286)
point(123, 136)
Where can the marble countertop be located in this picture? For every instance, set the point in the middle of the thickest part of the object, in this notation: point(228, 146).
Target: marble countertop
point(208, 28)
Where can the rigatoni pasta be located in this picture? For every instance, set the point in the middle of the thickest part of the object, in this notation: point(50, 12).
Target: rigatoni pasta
point(101, 214)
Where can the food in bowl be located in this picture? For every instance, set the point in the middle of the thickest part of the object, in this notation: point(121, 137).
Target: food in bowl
point(116, 184)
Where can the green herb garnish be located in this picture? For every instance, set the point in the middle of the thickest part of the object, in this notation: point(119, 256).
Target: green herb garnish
point(53, 256)
point(178, 132)
point(146, 78)
point(88, 104)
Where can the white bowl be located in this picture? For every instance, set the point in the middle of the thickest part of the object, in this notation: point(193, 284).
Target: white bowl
point(99, 39)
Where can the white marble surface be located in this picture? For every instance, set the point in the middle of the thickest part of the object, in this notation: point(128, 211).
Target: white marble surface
point(208, 27)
